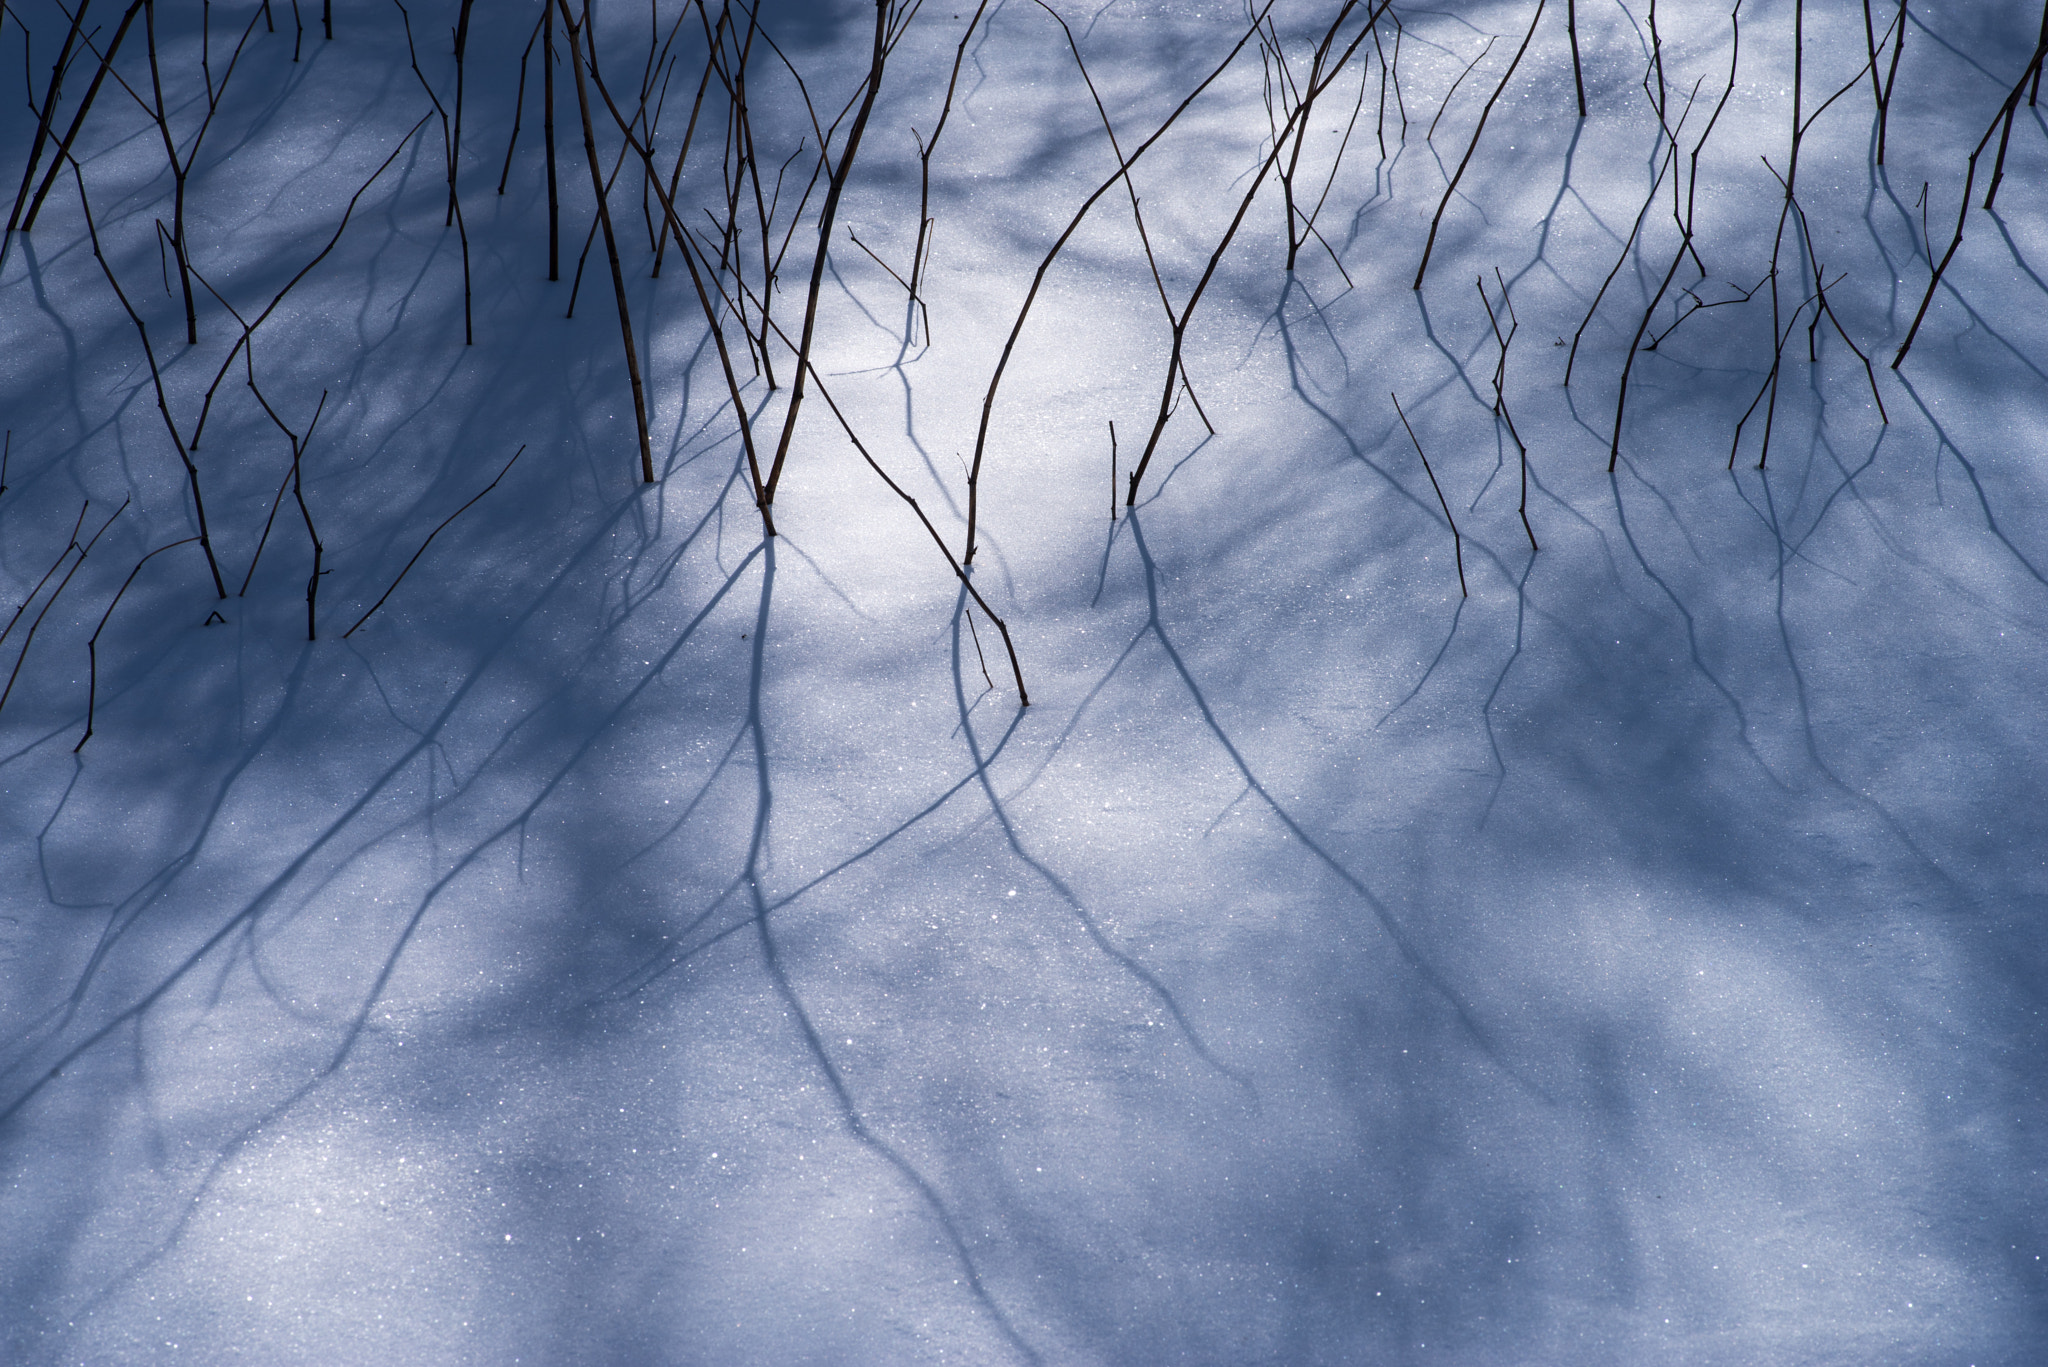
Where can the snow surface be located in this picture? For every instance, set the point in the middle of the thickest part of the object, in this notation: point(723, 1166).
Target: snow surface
point(643, 942)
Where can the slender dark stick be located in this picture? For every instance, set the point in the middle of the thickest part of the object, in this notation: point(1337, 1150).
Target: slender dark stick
point(604, 218)
point(28, 220)
point(1571, 28)
point(826, 217)
point(1137, 213)
point(1627, 249)
point(430, 541)
point(461, 72)
point(1457, 541)
point(924, 169)
point(959, 571)
point(276, 502)
point(1452, 93)
point(1174, 366)
point(249, 328)
point(45, 115)
point(682, 156)
point(1500, 379)
point(70, 545)
point(157, 380)
point(988, 400)
point(55, 594)
point(178, 170)
point(689, 248)
point(1963, 209)
point(1685, 224)
point(298, 444)
point(548, 132)
point(519, 101)
point(1891, 78)
point(92, 646)
point(1449, 190)
point(2012, 109)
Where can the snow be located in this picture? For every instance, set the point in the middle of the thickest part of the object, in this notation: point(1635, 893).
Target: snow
point(643, 941)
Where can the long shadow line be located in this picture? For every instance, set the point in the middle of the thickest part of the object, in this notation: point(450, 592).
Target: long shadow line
point(1499, 682)
point(670, 956)
point(525, 814)
point(346, 1046)
point(1970, 470)
point(274, 888)
point(771, 958)
point(1143, 975)
point(130, 909)
point(1812, 743)
point(461, 787)
point(1692, 639)
point(1395, 931)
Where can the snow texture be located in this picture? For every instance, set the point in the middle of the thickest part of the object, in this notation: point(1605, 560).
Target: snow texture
point(646, 941)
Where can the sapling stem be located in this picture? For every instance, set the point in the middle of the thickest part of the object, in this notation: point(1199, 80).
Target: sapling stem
point(443, 526)
point(1891, 78)
point(461, 72)
point(979, 658)
point(1457, 541)
point(451, 154)
point(1436, 221)
point(959, 571)
point(519, 101)
point(687, 244)
point(56, 593)
point(682, 156)
point(1969, 185)
point(604, 218)
point(298, 445)
point(92, 646)
point(590, 239)
point(70, 545)
point(276, 502)
point(248, 329)
point(1500, 378)
point(157, 382)
point(1571, 29)
point(1685, 225)
point(988, 400)
point(2012, 109)
point(547, 22)
point(827, 216)
point(1117, 151)
point(28, 220)
point(46, 114)
point(925, 148)
point(1174, 365)
point(1452, 93)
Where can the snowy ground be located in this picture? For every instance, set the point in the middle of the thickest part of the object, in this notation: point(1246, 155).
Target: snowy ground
point(643, 941)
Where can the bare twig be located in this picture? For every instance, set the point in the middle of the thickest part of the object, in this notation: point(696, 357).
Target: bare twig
point(92, 646)
point(1449, 190)
point(163, 405)
point(430, 541)
point(604, 218)
point(1457, 541)
point(56, 593)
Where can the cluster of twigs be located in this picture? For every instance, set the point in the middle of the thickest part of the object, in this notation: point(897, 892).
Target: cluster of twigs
point(751, 205)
